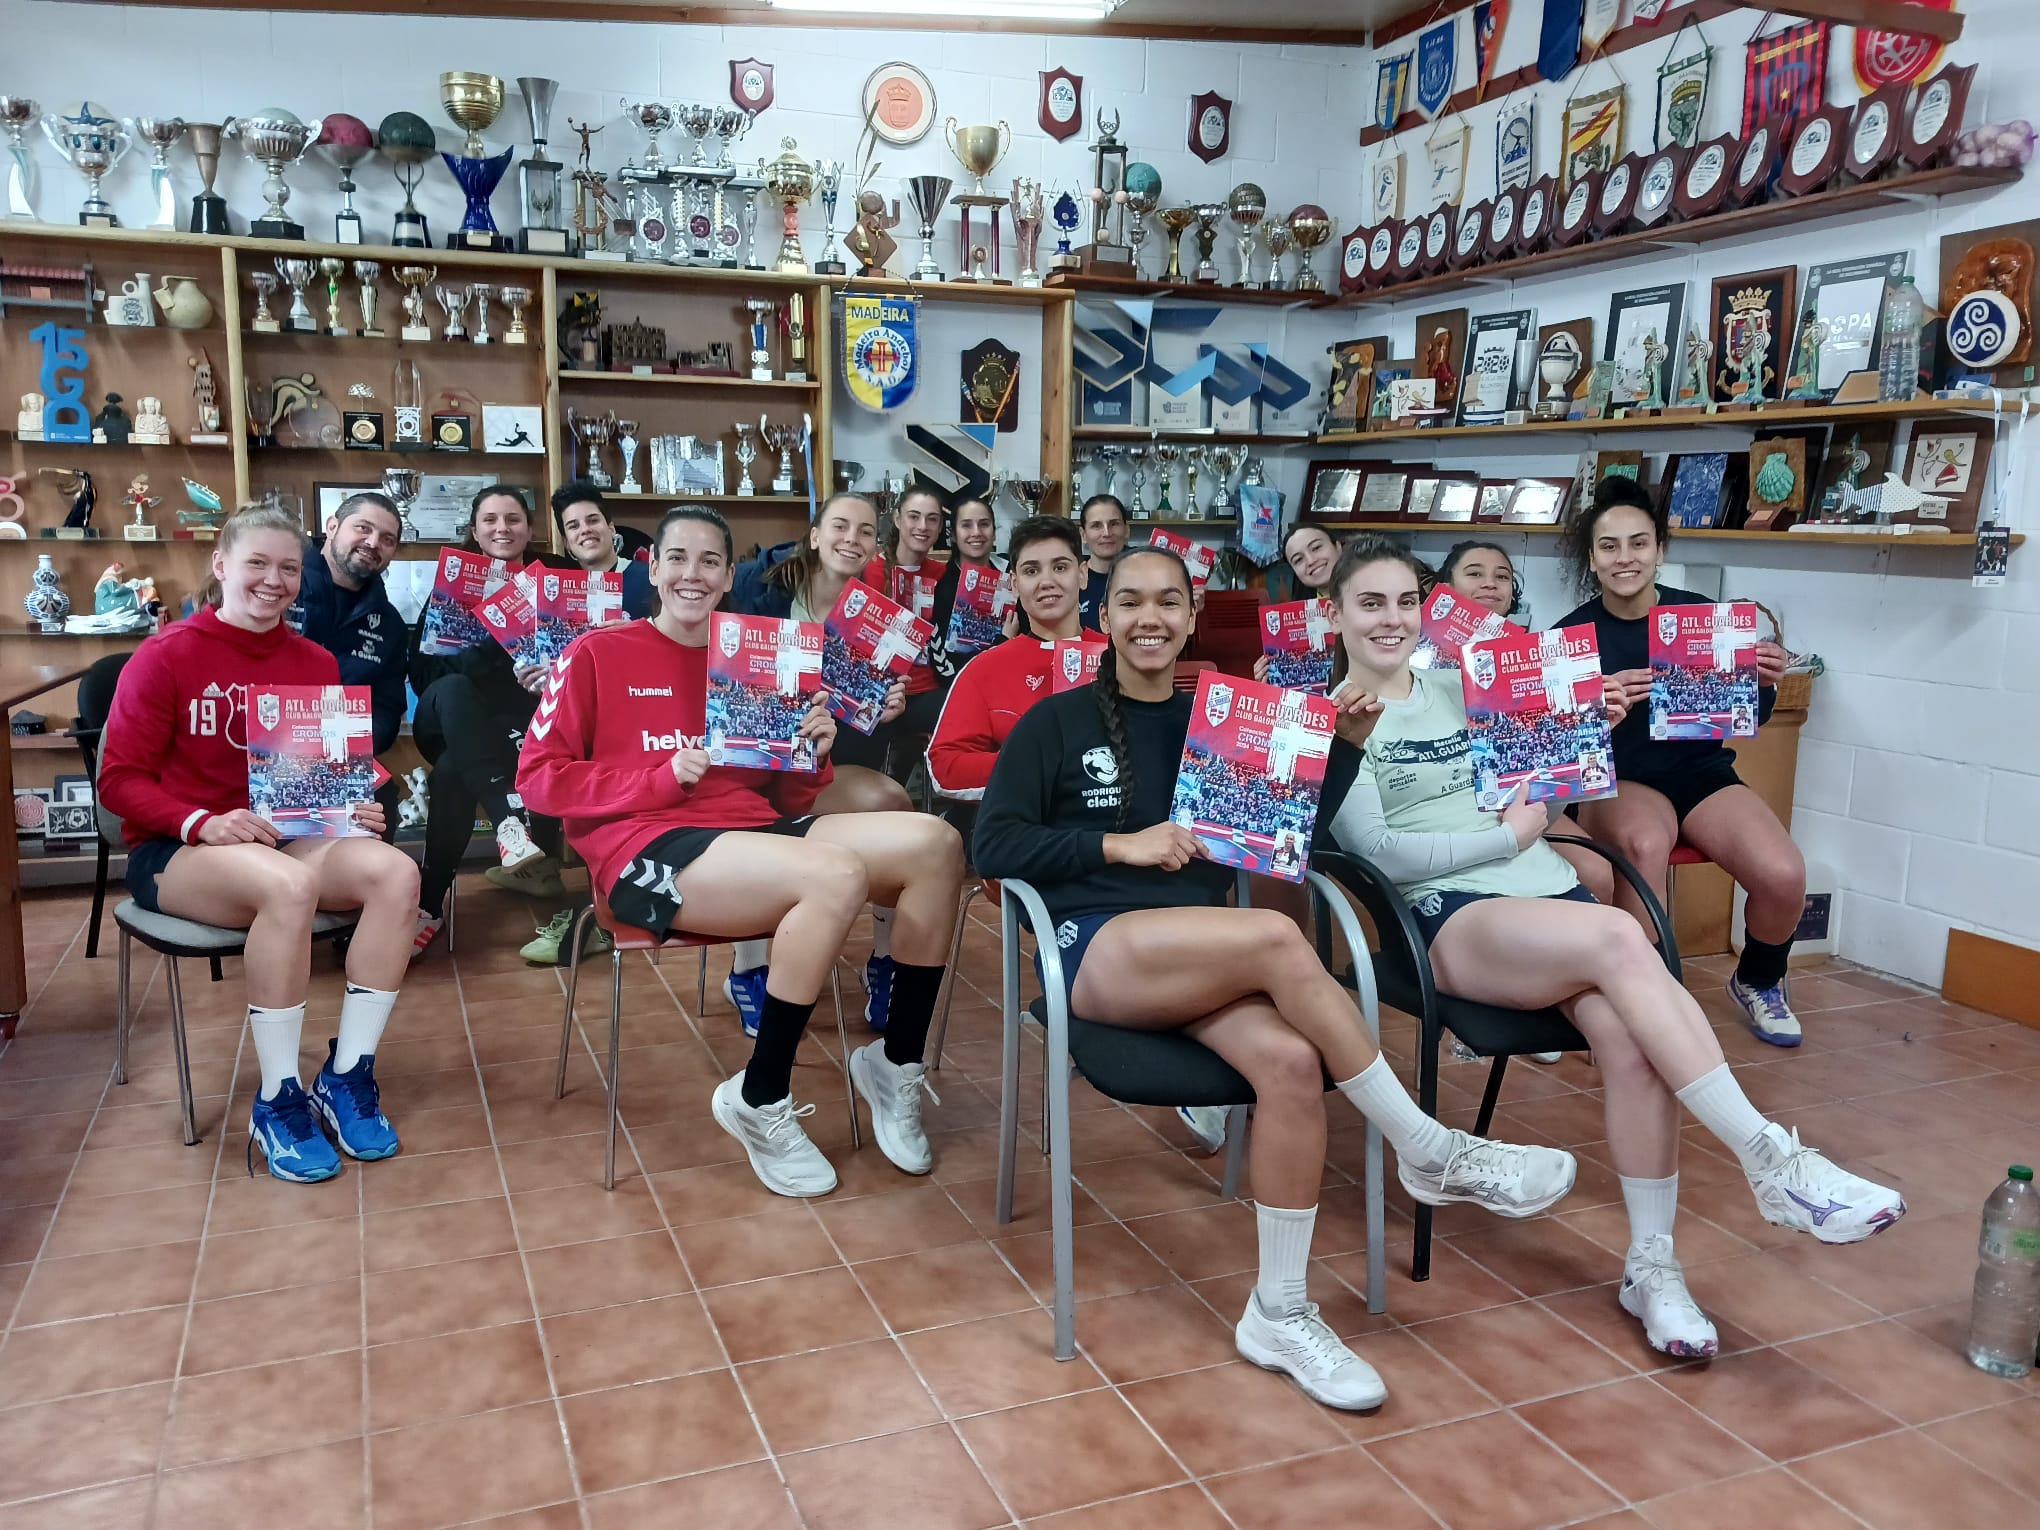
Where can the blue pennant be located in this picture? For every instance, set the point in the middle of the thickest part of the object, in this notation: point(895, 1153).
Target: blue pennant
point(1437, 66)
point(1391, 90)
point(1558, 45)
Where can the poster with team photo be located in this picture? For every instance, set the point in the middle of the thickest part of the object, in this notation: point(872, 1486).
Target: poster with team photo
point(1536, 719)
point(569, 602)
point(512, 620)
point(762, 672)
point(311, 758)
point(1074, 663)
point(1198, 558)
point(1253, 767)
point(1298, 637)
point(1703, 671)
point(978, 618)
point(868, 642)
point(463, 582)
point(1449, 624)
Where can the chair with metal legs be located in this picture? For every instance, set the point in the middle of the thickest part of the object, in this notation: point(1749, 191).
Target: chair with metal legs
point(627, 938)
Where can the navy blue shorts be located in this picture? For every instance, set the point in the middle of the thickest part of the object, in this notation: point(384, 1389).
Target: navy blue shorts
point(1073, 938)
point(1431, 910)
point(145, 863)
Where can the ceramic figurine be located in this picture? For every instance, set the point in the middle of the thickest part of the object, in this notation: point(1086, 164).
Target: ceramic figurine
point(111, 426)
point(46, 604)
point(28, 424)
point(151, 429)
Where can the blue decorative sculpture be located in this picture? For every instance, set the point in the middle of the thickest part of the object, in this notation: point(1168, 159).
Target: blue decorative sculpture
point(64, 414)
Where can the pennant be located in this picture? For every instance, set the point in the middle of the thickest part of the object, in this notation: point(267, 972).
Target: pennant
point(1437, 66)
point(1385, 188)
point(1490, 17)
point(1593, 134)
point(1391, 91)
point(1885, 57)
point(1447, 172)
point(1682, 95)
point(1516, 145)
point(881, 359)
point(1784, 77)
point(1558, 41)
point(1598, 20)
point(1645, 13)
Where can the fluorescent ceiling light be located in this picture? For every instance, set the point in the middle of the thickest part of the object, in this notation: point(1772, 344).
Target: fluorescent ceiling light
point(1024, 10)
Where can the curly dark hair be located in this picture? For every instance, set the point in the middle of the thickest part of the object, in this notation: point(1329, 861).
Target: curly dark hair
point(1105, 688)
point(1576, 546)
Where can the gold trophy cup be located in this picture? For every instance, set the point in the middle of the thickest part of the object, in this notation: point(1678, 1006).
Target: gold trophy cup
point(978, 149)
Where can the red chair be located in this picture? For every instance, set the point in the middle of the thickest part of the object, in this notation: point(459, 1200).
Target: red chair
point(629, 938)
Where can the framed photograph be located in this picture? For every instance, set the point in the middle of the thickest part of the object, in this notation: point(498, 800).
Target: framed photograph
point(1493, 502)
point(1330, 487)
point(1692, 487)
point(1948, 461)
point(1457, 500)
point(1537, 501)
point(1386, 375)
point(1494, 371)
point(1858, 455)
point(1382, 493)
point(1409, 397)
point(1840, 319)
point(327, 499)
point(70, 823)
point(1643, 342)
point(1441, 347)
point(73, 789)
point(1423, 494)
point(513, 428)
point(1751, 315)
point(1351, 390)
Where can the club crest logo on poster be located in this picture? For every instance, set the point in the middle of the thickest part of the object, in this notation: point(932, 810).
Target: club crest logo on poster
point(493, 615)
point(1072, 664)
point(729, 638)
point(853, 602)
point(1274, 623)
point(1218, 704)
point(1667, 626)
point(268, 709)
point(1100, 766)
point(1483, 668)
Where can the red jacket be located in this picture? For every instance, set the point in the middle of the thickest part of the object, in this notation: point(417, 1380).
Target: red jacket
point(598, 755)
point(175, 752)
point(915, 589)
point(988, 696)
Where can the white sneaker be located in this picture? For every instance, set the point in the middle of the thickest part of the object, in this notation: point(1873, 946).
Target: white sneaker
point(538, 878)
point(513, 844)
point(780, 1153)
point(1508, 1180)
point(1769, 1011)
point(1654, 1291)
point(893, 1091)
point(429, 926)
point(1314, 1357)
point(1547, 1058)
point(1809, 1193)
point(1206, 1123)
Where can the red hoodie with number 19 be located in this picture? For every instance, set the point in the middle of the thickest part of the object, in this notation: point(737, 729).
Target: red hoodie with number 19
point(621, 702)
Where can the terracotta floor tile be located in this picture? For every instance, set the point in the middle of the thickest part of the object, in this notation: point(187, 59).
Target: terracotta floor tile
point(1203, 1242)
point(978, 1199)
point(1149, 1184)
point(229, 1414)
point(1456, 1284)
point(635, 1434)
point(943, 1285)
point(747, 1497)
point(1108, 1261)
point(421, 1300)
point(922, 1478)
point(1233, 1416)
point(445, 1130)
point(1771, 1297)
point(120, 1506)
point(466, 1468)
point(323, 1484)
point(1068, 1451)
point(790, 1314)
point(1909, 1376)
point(1521, 1351)
point(711, 1194)
point(1638, 1438)
point(1325, 1489)
point(35, 1181)
point(551, 1162)
point(1156, 1332)
point(305, 1254)
point(436, 1234)
point(1180, 1508)
point(428, 1178)
point(1909, 1482)
point(2000, 1440)
point(90, 1355)
point(880, 1227)
point(81, 1441)
point(999, 1362)
point(456, 1373)
point(579, 1213)
point(138, 1220)
point(91, 1285)
point(1921, 1262)
point(1770, 1497)
point(1490, 1473)
point(1423, 1390)
point(1538, 1256)
point(1777, 1404)
point(783, 1241)
point(1697, 1240)
point(242, 1203)
point(645, 1341)
point(273, 1325)
point(832, 1396)
point(573, 1276)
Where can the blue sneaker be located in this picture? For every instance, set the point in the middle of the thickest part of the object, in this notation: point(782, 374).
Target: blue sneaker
point(289, 1136)
point(352, 1106)
point(746, 990)
point(1771, 1016)
point(877, 991)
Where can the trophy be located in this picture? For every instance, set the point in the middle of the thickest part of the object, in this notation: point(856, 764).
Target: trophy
point(761, 311)
point(627, 443)
point(514, 299)
point(1208, 214)
point(1027, 205)
point(1108, 194)
point(748, 212)
point(1275, 234)
point(791, 180)
point(402, 486)
point(538, 178)
point(927, 194)
point(415, 279)
point(333, 268)
point(1166, 455)
point(368, 273)
point(297, 274)
point(731, 123)
point(829, 186)
point(1137, 460)
point(454, 300)
point(159, 133)
point(274, 139)
point(474, 102)
point(1225, 461)
point(347, 142)
point(1033, 492)
point(264, 322)
point(978, 149)
point(1558, 364)
point(406, 141)
point(1067, 218)
point(747, 453)
point(1247, 206)
point(16, 113)
point(208, 208)
point(92, 144)
point(1175, 220)
point(781, 439)
point(594, 431)
point(1106, 457)
point(1143, 196)
point(654, 117)
point(481, 292)
point(1309, 226)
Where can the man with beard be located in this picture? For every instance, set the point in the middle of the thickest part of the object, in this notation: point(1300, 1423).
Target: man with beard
point(343, 607)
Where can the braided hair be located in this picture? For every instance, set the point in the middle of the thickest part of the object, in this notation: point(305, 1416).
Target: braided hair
point(1105, 688)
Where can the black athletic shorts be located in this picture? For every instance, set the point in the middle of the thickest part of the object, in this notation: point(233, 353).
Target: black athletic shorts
point(1073, 938)
point(644, 896)
point(145, 863)
point(911, 727)
point(1686, 789)
point(1431, 910)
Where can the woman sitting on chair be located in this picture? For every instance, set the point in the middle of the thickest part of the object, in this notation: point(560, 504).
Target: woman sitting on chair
point(1684, 789)
point(1509, 925)
point(1079, 805)
point(174, 766)
point(618, 750)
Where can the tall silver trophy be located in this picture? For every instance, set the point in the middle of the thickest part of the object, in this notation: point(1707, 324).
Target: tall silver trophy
point(159, 133)
point(928, 194)
point(828, 187)
point(274, 139)
point(539, 178)
point(92, 143)
point(16, 113)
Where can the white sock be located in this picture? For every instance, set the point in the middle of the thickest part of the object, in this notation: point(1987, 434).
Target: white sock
point(881, 930)
point(277, 1033)
point(1653, 1207)
point(1718, 1103)
point(750, 955)
point(1285, 1257)
point(1379, 1095)
point(363, 1014)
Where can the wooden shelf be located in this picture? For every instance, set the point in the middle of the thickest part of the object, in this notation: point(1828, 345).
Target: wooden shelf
point(23, 630)
point(1140, 433)
point(1204, 292)
point(664, 502)
point(948, 292)
point(1229, 525)
point(1748, 419)
point(1742, 223)
point(122, 446)
point(422, 453)
point(691, 380)
point(393, 340)
point(43, 741)
point(1933, 539)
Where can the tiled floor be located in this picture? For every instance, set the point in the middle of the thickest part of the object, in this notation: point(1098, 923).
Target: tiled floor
point(475, 1332)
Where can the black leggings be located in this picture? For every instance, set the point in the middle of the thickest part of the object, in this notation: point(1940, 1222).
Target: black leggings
point(473, 755)
point(895, 747)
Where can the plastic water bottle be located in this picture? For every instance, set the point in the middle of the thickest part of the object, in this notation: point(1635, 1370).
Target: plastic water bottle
point(1898, 376)
point(2005, 1320)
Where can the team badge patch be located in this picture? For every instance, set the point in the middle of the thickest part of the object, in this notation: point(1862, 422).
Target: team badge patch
point(881, 361)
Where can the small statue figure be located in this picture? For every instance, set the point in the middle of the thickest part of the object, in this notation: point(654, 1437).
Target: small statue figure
point(869, 240)
point(202, 391)
point(1699, 356)
point(28, 424)
point(140, 500)
point(412, 811)
point(1654, 353)
point(111, 426)
point(1438, 367)
point(151, 429)
point(78, 485)
point(122, 605)
point(1806, 359)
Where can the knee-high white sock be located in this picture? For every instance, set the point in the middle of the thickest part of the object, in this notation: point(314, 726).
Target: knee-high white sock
point(1719, 1104)
point(881, 930)
point(277, 1033)
point(363, 1014)
point(750, 955)
point(1653, 1206)
point(1285, 1257)
point(1381, 1098)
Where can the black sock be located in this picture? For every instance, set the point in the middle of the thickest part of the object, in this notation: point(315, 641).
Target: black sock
point(769, 1075)
point(1762, 964)
point(914, 990)
point(495, 797)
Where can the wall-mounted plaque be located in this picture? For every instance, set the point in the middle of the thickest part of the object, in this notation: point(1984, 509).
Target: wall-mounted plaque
point(1815, 156)
point(1656, 185)
point(1501, 224)
point(1381, 253)
point(1935, 116)
point(1576, 214)
point(1409, 249)
point(1353, 260)
point(1437, 240)
point(1533, 228)
point(1873, 135)
point(1704, 186)
point(1755, 166)
point(1616, 200)
point(1469, 240)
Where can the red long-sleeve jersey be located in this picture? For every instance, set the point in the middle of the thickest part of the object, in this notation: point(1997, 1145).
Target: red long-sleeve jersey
point(599, 752)
point(989, 695)
point(913, 588)
point(175, 752)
